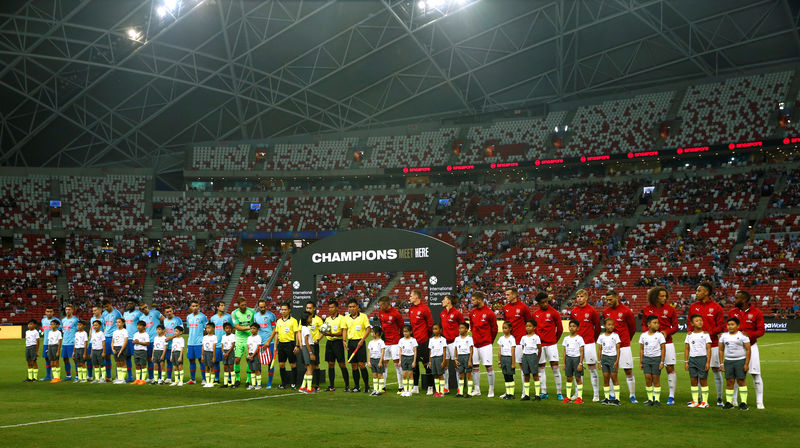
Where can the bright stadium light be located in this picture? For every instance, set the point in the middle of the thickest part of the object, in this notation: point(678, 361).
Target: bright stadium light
point(422, 5)
point(134, 34)
point(161, 11)
point(171, 5)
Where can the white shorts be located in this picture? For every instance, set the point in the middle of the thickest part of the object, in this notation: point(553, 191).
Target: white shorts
point(755, 361)
point(450, 351)
point(482, 355)
point(625, 358)
point(590, 354)
point(549, 354)
point(669, 354)
point(392, 352)
point(714, 363)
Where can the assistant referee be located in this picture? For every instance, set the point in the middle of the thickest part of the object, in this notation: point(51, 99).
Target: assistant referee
point(286, 329)
point(355, 329)
point(334, 348)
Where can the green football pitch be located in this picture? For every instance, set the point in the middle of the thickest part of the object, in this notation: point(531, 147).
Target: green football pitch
point(68, 414)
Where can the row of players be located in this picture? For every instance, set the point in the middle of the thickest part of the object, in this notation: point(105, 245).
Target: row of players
point(484, 331)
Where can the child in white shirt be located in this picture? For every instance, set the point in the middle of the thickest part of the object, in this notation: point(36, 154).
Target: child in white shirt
point(376, 349)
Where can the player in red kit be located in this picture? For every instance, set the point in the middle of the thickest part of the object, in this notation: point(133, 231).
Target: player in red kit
point(625, 327)
point(589, 330)
point(658, 306)
point(516, 313)
point(713, 323)
point(450, 318)
point(392, 326)
point(752, 325)
point(422, 328)
point(484, 331)
point(549, 329)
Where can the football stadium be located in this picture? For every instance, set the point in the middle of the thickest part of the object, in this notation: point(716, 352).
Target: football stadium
point(399, 222)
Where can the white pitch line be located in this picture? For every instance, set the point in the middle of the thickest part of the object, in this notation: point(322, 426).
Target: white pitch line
point(139, 411)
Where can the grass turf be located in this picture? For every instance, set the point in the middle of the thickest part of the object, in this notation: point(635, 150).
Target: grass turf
point(203, 417)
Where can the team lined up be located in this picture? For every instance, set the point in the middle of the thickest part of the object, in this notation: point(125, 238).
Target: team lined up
point(153, 343)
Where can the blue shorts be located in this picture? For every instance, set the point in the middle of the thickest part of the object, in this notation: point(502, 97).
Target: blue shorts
point(219, 355)
point(194, 352)
point(67, 351)
point(109, 349)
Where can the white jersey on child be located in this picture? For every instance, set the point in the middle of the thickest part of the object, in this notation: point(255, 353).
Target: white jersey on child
point(53, 337)
point(31, 338)
point(407, 346)
point(374, 347)
point(651, 343)
point(178, 344)
point(530, 344)
point(98, 339)
point(140, 337)
point(437, 345)
point(227, 341)
point(253, 342)
point(118, 337)
point(159, 343)
point(305, 336)
point(572, 346)
point(209, 343)
point(506, 343)
point(80, 339)
point(734, 345)
point(608, 344)
point(697, 343)
point(463, 344)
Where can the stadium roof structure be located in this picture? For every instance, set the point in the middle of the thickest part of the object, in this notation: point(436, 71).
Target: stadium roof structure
point(130, 83)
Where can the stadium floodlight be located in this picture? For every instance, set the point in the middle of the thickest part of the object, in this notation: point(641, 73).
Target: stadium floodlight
point(134, 34)
point(171, 5)
point(161, 11)
point(422, 5)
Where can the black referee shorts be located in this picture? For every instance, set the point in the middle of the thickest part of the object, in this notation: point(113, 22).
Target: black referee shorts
point(360, 355)
point(423, 354)
point(334, 351)
point(286, 352)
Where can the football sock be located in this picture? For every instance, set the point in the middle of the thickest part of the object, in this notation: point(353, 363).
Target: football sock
point(49, 369)
point(237, 368)
point(616, 391)
point(607, 392)
point(120, 373)
point(331, 376)
point(203, 371)
point(129, 366)
point(595, 380)
point(735, 393)
point(536, 386)
point(490, 374)
point(399, 372)
point(657, 393)
point(470, 386)
point(216, 371)
point(385, 375)
point(569, 387)
point(543, 378)
point(526, 388)
point(68, 368)
point(649, 391)
point(728, 395)
point(192, 370)
point(672, 381)
point(703, 393)
point(356, 377)
point(270, 374)
point(510, 387)
point(696, 394)
point(150, 370)
point(365, 377)
point(580, 390)
point(743, 394)
point(557, 379)
point(107, 363)
point(258, 379)
point(758, 383)
point(476, 380)
point(718, 384)
point(346, 376)
point(446, 379)
point(30, 373)
point(631, 385)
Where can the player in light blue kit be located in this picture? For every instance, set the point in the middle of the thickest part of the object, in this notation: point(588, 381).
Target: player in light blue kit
point(219, 319)
point(48, 316)
point(131, 316)
point(110, 316)
point(69, 326)
point(171, 321)
point(151, 320)
point(266, 323)
point(196, 323)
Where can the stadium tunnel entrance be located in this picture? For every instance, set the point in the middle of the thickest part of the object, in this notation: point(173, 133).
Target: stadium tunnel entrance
point(375, 250)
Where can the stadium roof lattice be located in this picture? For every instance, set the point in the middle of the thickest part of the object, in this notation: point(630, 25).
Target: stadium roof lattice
point(94, 83)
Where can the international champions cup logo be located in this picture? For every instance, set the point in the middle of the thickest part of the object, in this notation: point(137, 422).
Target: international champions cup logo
point(433, 280)
point(296, 284)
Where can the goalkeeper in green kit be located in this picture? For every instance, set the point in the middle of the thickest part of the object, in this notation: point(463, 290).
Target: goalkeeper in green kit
point(242, 319)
